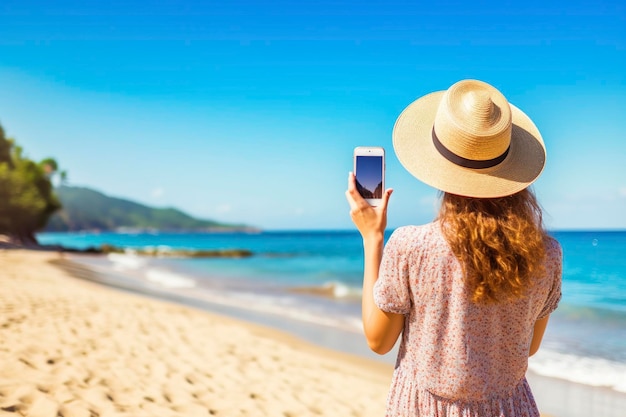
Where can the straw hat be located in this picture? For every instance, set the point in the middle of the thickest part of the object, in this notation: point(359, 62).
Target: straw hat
point(469, 141)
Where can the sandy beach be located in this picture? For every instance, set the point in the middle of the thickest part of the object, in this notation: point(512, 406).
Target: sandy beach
point(72, 348)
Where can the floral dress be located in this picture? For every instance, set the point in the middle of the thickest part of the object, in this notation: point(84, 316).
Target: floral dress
point(458, 358)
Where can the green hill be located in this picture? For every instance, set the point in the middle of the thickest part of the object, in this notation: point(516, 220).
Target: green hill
point(87, 209)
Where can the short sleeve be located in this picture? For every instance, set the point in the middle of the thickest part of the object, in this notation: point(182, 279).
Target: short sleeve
point(554, 267)
point(391, 290)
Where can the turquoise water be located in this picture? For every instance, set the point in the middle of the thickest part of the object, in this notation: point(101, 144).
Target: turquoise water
point(585, 341)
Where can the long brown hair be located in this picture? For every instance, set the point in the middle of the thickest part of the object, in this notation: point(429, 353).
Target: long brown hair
point(500, 242)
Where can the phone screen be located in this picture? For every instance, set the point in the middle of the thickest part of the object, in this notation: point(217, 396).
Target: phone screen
point(369, 176)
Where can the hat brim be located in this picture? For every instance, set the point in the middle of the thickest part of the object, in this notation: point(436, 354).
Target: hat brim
point(414, 147)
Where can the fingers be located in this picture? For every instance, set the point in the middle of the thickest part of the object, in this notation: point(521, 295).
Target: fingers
point(367, 219)
point(351, 201)
point(385, 198)
point(352, 194)
point(352, 185)
point(356, 201)
point(351, 180)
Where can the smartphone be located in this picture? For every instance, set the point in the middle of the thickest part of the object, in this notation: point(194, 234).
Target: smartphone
point(369, 170)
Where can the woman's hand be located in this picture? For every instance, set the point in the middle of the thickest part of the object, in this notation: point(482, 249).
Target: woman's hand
point(370, 221)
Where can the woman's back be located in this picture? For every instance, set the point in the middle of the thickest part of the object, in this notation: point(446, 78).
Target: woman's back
point(456, 352)
point(470, 293)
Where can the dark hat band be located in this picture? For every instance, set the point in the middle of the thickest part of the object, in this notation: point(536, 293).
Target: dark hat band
point(464, 162)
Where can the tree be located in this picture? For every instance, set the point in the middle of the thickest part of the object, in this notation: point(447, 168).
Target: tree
point(26, 194)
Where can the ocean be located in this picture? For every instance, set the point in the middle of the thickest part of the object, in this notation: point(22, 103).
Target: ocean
point(314, 278)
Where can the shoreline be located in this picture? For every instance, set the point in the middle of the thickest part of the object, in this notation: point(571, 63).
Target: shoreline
point(555, 398)
point(327, 337)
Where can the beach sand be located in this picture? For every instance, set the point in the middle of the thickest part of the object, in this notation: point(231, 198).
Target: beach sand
point(72, 348)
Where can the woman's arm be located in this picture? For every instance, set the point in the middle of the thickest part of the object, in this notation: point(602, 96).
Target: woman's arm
point(538, 331)
point(381, 328)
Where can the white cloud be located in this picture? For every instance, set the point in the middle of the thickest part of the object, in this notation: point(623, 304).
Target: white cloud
point(158, 192)
point(622, 192)
point(223, 208)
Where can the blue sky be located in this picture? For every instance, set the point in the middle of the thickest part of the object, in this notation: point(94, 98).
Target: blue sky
point(248, 111)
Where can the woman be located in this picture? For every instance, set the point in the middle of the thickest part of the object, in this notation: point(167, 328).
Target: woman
point(472, 291)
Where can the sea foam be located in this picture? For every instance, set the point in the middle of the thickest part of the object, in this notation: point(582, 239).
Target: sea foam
point(126, 261)
point(169, 279)
point(280, 305)
point(341, 290)
point(581, 369)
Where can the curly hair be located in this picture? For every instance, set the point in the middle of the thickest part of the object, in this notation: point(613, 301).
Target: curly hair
point(500, 242)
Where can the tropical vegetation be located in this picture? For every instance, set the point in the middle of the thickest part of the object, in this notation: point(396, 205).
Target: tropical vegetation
point(27, 198)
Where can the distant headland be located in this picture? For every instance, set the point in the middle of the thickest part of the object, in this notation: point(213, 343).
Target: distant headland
point(85, 209)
